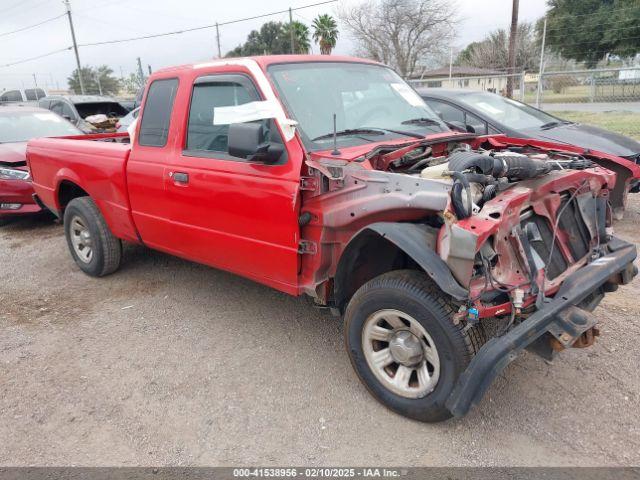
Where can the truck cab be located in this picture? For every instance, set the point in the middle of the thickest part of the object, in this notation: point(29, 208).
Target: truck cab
point(447, 253)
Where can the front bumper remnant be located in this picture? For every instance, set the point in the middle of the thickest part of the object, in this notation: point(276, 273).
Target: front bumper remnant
point(559, 316)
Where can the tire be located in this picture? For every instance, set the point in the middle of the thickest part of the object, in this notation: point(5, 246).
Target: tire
point(82, 215)
point(426, 309)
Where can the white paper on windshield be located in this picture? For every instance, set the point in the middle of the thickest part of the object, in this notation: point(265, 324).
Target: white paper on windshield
point(51, 117)
point(408, 94)
point(247, 112)
point(488, 108)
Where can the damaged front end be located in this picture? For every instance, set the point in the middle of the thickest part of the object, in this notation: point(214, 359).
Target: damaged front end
point(537, 256)
point(520, 238)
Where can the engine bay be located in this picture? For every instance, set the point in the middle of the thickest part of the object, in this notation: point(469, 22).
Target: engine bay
point(477, 174)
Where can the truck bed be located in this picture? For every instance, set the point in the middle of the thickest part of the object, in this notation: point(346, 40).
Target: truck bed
point(93, 163)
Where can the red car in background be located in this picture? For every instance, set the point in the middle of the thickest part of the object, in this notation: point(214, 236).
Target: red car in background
point(19, 124)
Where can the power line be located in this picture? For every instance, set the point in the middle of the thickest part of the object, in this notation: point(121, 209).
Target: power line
point(35, 58)
point(32, 26)
point(203, 27)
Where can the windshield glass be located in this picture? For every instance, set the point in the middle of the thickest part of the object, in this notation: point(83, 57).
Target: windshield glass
point(361, 96)
point(23, 126)
point(512, 114)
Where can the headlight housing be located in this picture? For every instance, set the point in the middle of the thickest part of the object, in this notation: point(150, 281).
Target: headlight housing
point(13, 174)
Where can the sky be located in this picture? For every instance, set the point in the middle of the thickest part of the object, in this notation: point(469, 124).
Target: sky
point(101, 20)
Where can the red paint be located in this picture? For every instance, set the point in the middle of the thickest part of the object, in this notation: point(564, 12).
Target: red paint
point(16, 191)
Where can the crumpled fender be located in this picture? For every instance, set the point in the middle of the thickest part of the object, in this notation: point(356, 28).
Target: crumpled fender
point(418, 242)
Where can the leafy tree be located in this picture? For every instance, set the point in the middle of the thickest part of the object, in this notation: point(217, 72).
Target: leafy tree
point(109, 84)
point(464, 57)
point(589, 30)
point(493, 51)
point(401, 33)
point(274, 38)
point(132, 83)
point(301, 43)
point(325, 33)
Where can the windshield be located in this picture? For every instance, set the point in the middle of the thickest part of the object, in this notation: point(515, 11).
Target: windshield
point(23, 126)
point(370, 100)
point(512, 114)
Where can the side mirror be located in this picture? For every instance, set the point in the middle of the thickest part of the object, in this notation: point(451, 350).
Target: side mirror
point(248, 140)
point(66, 117)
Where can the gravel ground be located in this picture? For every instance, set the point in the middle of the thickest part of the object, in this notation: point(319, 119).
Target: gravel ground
point(171, 363)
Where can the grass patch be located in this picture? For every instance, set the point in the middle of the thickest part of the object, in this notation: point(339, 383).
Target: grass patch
point(625, 123)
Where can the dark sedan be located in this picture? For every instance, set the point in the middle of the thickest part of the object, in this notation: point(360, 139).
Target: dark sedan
point(486, 113)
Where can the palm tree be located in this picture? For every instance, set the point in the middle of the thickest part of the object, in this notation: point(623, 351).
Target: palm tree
point(325, 33)
point(301, 44)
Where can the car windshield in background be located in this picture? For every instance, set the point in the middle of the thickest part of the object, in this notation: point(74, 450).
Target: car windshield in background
point(111, 109)
point(513, 114)
point(23, 126)
point(371, 103)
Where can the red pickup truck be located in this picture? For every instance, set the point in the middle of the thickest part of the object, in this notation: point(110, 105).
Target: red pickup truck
point(447, 253)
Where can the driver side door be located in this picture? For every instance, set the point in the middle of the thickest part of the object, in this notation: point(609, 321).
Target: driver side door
point(232, 213)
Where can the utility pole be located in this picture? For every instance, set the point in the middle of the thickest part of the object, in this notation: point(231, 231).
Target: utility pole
point(98, 82)
point(35, 80)
point(450, 63)
point(218, 40)
point(149, 68)
point(541, 68)
point(140, 73)
point(75, 45)
point(291, 30)
point(512, 47)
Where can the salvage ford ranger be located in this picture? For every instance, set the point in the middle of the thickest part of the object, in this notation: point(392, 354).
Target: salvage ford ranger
point(447, 253)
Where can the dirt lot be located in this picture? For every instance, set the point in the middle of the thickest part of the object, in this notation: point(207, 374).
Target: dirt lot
point(171, 363)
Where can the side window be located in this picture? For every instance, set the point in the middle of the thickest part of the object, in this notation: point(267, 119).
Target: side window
point(31, 94)
point(157, 113)
point(478, 125)
point(447, 112)
point(67, 111)
point(11, 96)
point(209, 93)
point(56, 107)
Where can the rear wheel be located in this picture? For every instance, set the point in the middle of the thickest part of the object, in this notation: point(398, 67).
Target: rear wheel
point(404, 346)
point(92, 245)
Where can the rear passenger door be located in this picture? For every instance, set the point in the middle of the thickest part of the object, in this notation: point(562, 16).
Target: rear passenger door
point(146, 167)
point(229, 212)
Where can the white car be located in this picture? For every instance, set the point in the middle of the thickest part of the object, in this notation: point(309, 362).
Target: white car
point(127, 120)
point(20, 96)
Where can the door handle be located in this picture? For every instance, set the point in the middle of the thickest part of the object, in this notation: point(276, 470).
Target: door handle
point(179, 177)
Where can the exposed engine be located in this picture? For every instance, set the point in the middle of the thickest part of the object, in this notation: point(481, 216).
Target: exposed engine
point(479, 175)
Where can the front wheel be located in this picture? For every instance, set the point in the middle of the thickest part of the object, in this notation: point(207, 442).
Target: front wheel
point(92, 245)
point(404, 346)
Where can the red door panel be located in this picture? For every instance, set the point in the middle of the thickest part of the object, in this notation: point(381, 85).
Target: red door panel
point(237, 216)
